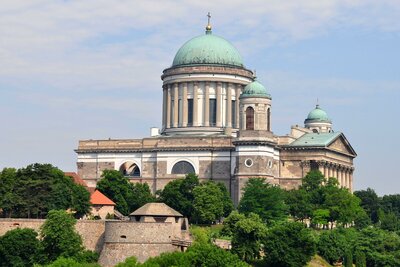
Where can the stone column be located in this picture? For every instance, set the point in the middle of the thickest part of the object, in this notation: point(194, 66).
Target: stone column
point(176, 104)
point(168, 106)
point(351, 181)
point(229, 106)
point(238, 119)
point(195, 103)
point(164, 111)
point(184, 106)
point(346, 177)
point(207, 105)
point(219, 104)
point(325, 170)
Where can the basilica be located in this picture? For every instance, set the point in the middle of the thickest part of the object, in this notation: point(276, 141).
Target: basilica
point(216, 123)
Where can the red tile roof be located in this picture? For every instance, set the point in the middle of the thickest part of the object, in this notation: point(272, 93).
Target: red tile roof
point(97, 198)
point(77, 179)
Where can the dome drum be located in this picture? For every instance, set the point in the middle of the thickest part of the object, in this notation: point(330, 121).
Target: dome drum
point(207, 69)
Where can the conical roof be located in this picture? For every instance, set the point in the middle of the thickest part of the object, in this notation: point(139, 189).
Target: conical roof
point(156, 209)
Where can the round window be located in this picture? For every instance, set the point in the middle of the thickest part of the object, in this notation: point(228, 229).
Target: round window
point(248, 162)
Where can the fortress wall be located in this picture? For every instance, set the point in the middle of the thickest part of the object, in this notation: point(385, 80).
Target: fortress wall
point(146, 232)
point(92, 232)
point(114, 253)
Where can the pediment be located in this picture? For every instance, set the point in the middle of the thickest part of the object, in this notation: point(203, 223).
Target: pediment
point(341, 144)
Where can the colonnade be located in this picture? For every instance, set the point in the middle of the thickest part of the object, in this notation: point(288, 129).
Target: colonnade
point(187, 104)
point(343, 173)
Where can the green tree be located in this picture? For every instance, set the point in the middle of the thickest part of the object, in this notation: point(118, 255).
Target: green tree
point(343, 206)
point(117, 187)
point(312, 181)
point(381, 248)
point(59, 237)
point(369, 202)
point(264, 199)
point(20, 247)
point(9, 200)
point(226, 200)
point(391, 203)
point(38, 188)
point(389, 221)
point(178, 194)
point(129, 262)
point(359, 258)
point(230, 222)
point(348, 259)
point(247, 236)
point(299, 204)
point(205, 254)
point(141, 195)
point(167, 259)
point(320, 217)
point(70, 262)
point(208, 203)
point(289, 244)
point(332, 245)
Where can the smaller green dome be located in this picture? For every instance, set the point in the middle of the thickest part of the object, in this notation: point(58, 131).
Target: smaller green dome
point(317, 114)
point(255, 89)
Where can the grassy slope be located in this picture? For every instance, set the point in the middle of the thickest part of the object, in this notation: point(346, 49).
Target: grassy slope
point(318, 261)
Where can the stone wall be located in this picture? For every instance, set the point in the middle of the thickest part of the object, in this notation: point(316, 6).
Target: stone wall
point(92, 232)
point(114, 253)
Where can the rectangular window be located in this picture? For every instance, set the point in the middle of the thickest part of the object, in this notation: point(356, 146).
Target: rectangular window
point(190, 112)
point(213, 112)
point(234, 114)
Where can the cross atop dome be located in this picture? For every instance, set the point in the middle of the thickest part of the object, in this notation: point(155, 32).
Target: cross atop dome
point(208, 27)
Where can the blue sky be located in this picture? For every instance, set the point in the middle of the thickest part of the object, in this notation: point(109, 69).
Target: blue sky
point(74, 70)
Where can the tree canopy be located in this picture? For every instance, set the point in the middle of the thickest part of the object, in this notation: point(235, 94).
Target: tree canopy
point(127, 196)
point(35, 190)
point(289, 245)
point(59, 237)
point(20, 247)
point(264, 199)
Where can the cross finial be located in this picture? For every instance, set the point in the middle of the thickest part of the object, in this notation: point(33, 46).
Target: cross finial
point(208, 28)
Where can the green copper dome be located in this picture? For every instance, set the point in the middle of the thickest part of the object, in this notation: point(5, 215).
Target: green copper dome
point(317, 114)
point(208, 49)
point(255, 89)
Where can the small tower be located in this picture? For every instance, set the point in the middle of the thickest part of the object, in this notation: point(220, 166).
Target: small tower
point(255, 148)
point(255, 108)
point(318, 121)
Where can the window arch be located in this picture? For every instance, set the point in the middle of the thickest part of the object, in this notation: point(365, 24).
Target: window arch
point(130, 169)
point(249, 118)
point(182, 167)
point(269, 119)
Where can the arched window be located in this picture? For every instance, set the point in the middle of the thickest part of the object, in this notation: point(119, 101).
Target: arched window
point(249, 118)
point(269, 119)
point(182, 167)
point(130, 169)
